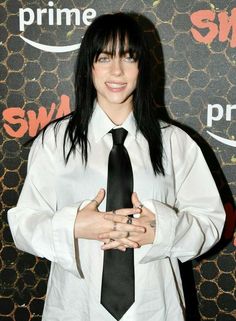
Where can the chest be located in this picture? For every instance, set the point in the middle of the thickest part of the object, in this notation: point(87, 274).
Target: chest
point(76, 182)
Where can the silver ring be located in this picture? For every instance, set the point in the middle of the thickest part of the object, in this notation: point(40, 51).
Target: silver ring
point(114, 226)
point(129, 220)
point(140, 206)
point(95, 202)
point(114, 211)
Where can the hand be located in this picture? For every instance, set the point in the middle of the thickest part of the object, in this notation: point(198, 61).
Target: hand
point(90, 223)
point(147, 220)
point(118, 236)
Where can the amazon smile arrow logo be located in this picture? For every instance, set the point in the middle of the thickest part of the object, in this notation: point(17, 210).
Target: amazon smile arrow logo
point(51, 48)
point(223, 140)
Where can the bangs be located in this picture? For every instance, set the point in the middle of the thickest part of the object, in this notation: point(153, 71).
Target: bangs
point(121, 42)
point(116, 32)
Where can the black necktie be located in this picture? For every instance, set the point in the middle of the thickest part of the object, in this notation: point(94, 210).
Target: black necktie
point(118, 267)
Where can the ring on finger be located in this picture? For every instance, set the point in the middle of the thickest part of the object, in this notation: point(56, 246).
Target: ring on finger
point(95, 202)
point(129, 220)
point(140, 206)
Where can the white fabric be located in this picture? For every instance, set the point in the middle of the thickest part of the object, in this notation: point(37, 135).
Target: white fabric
point(186, 203)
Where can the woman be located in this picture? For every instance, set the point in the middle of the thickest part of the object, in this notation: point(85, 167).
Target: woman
point(61, 214)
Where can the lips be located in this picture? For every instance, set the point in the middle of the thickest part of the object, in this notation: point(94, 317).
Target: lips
point(115, 85)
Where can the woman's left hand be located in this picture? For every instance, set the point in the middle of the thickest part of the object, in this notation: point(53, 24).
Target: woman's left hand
point(146, 219)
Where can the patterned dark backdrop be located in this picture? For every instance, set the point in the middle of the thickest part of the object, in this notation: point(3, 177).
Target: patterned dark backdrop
point(197, 84)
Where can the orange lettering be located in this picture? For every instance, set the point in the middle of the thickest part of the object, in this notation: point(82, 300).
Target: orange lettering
point(36, 123)
point(15, 116)
point(226, 24)
point(64, 107)
point(201, 19)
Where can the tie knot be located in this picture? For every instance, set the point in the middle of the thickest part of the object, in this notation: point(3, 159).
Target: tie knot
point(119, 135)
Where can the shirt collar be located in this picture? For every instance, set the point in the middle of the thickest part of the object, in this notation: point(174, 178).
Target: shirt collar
point(101, 124)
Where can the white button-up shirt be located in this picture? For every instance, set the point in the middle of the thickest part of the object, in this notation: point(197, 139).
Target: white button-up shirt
point(188, 209)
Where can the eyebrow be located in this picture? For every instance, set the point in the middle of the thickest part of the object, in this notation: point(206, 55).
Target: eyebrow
point(107, 52)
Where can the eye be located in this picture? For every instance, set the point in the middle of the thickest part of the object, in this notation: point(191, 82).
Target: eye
point(128, 58)
point(103, 58)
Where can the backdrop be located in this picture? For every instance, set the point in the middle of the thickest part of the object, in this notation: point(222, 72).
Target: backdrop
point(194, 59)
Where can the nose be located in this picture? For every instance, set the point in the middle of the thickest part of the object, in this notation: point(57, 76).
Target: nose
point(116, 66)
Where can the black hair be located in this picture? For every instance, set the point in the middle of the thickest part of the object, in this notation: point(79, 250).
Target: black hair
point(113, 29)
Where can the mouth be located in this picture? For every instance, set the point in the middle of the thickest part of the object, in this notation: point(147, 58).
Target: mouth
point(114, 86)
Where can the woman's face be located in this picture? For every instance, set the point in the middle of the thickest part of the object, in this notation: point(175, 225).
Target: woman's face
point(115, 79)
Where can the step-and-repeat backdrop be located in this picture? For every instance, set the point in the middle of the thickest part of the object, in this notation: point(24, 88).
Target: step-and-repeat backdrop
point(194, 57)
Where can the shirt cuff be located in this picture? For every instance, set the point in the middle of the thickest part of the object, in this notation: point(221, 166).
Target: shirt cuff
point(166, 220)
point(76, 242)
point(64, 242)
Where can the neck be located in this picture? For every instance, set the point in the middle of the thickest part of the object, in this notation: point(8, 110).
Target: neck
point(116, 112)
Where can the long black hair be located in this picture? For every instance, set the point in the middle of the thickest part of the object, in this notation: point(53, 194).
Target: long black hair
point(113, 29)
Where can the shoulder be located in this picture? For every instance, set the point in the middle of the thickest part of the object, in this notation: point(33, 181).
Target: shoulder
point(53, 133)
point(172, 134)
point(180, 152)
point(50, 140)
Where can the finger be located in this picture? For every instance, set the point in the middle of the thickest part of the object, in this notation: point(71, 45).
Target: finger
point(97, 200)
point(116, 244)
point(118, 228)
point(129, 243)
point(133, 227)
point(119, 234)
point(118, 218)
point(105, 241)
point(113, 235)
point(111, 245)
point(136, 202)
point(126, 211)
point(121, 248)
point(134, 199)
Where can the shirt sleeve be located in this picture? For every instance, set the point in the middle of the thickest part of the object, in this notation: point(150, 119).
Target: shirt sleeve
point(37, 226)
point(195, 222)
